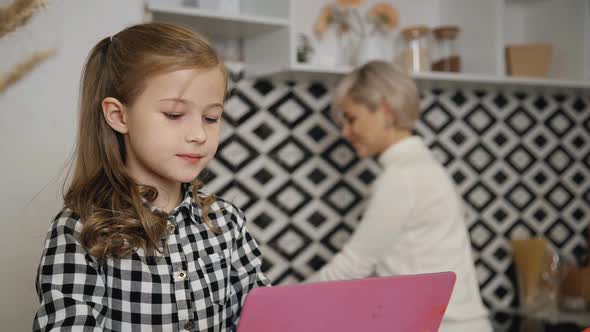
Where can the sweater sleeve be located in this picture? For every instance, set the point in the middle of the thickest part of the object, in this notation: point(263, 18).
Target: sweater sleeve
point(386, 213)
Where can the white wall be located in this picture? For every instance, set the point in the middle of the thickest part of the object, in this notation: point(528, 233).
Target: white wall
point(37, 130)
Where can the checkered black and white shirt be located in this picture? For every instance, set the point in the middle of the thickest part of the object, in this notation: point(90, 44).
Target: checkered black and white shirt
point(199, 284)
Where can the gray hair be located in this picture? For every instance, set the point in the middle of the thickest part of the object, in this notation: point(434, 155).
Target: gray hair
point(379, 81)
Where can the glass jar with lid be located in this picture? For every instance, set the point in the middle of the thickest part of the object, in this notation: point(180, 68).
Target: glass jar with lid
point(416, 52)
point(446, 56)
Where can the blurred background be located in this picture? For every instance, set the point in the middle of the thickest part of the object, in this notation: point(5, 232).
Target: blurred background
point(505, 95)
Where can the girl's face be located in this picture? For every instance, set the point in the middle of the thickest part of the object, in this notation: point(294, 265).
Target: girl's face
point(173, 127)
point(367, 130)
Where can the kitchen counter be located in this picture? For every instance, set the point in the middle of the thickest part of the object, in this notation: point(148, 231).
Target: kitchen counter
point(513, 321)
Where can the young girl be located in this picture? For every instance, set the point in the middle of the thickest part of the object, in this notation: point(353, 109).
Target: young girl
point(136, 247)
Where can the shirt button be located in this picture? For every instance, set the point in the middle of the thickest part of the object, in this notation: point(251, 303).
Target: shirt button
point(180, 275)
point(188, 325)
point(171, 229)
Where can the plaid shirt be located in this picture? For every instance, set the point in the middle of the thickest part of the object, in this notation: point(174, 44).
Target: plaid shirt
point(199, 284)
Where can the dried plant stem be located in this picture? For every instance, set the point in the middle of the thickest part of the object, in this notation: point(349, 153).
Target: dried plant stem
point(18, 14)
point(23, 68)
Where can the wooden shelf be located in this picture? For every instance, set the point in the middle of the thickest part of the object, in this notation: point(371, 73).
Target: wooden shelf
point(308, 73)
point(216, 24)
point(502, 81)
point(322, 73)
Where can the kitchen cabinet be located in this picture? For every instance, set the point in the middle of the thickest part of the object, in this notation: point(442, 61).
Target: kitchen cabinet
point(256, 18)
point(269, 31)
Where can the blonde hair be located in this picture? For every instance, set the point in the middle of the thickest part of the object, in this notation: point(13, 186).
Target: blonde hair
point(379, 81)
point(110, 203)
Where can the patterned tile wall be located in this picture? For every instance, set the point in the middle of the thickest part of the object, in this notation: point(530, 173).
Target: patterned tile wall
point(520, 161)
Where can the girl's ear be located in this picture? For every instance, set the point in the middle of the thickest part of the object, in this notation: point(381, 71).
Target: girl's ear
point(115, 113)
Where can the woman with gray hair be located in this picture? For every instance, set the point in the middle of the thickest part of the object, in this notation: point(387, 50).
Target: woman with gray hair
point(414, 222)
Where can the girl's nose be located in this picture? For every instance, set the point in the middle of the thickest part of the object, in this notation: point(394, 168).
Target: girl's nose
point(196, 133)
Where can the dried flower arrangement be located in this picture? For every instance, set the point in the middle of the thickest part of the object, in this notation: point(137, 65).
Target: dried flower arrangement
point(12, 17)
point(345, 15)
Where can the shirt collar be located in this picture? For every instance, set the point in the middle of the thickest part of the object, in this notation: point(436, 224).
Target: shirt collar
point(400, 150)
point(187, 205)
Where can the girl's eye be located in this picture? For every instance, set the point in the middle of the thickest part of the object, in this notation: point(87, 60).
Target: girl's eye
point(173, 116)
point(211, 119)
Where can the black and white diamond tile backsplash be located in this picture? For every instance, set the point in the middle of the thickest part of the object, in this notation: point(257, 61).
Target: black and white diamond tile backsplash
point(519, 160)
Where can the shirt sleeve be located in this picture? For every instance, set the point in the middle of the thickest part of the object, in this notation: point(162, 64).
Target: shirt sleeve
point(246, 267)
point(386, 213)
point(69, 286)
